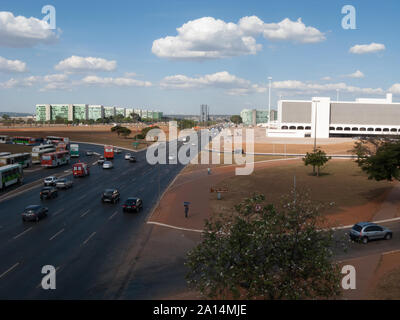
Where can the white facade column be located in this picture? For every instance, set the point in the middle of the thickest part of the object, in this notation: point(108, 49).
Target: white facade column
point(320, 117)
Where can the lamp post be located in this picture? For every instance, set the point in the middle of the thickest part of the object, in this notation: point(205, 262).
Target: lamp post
point(337, 95)
point(269, 101)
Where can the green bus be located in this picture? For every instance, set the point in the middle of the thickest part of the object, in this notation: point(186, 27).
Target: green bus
point(28, 141)
point(24, 159)
point(74, 150)
point(10, 175)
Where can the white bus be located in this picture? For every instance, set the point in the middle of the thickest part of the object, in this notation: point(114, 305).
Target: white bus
point(74, 150)
point(38, 151)
point(5, 139)
point(10, 175)
point(2, 154)
point(24, 159)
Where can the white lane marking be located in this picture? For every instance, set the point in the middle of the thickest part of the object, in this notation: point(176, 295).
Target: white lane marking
point(82, 197)
point(10, 269)
point(22, 233)
point(391, 252)
point(112, 216)
point(59, 232)
point(94, 163)
point(85, 213)
point(173, 227)
point(58, 212)
point(86, 241)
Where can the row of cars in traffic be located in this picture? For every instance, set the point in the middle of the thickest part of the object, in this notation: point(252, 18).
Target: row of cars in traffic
point(53, 184)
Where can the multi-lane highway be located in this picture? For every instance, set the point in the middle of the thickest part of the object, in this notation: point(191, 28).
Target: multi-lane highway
point(84, 239)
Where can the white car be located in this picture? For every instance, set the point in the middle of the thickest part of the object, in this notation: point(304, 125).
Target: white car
point(50, 181)
point(116, 150)
point(127, 156)
point(107, 165)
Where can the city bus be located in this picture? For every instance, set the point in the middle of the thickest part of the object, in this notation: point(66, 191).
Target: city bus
point(38, 151)
point(55, 140)
point(24, 159)
point(74, 150)
point(2, 154)
point(55, 159)
point(10, 175)
point(28, 141)
point(108, 152)
point(5, 139)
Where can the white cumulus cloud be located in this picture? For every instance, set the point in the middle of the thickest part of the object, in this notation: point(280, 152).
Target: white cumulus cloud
point(85, 64)
point(12, 65)
point(210, 38)
point(367, 48)
point(356, 75)
point(395, 88)
point(20, 31)
point(119, 81)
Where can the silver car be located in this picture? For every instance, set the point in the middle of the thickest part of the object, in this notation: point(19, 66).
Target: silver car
point(366, 231)
point(64, 183)
point(107, 165)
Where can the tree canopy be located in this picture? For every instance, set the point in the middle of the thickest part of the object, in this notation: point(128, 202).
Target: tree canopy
point(316, 159)
point(265, 252)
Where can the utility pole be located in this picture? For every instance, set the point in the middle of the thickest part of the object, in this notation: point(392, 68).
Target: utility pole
point(337, 95)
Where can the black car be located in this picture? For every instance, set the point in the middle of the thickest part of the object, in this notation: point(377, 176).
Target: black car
point(101, 160)
point(34, 213)
point(132, 204)
point(48, 193)
point(132, 159)
point(110, 195)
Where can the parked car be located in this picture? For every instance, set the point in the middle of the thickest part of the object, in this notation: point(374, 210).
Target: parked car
point(132, 159)
point(50, 181)
point(366, 231)
point(48, 193)
point(132, 204)
point(101, 160)
point(107, 165)
point(89, 153)
point(64, 183)
point(34, 213)
point(127, 156)
point(110, 195)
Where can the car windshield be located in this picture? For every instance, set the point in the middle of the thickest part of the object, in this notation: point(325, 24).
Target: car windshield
point(357, 228)
point(62, 180)
point(108, 192)
point(31, 209)
point(131, 201)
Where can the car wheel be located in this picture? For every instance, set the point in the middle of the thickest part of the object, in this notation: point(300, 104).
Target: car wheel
point(388, 236)
point(23, 219)
point(364, 240)
point(137, 210)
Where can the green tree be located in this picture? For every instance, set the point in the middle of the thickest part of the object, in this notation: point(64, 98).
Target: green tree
point(116, 129)
point(384, 164)
point(316, 159)
point(236, 119)
point(265, 252)
point(125, 131)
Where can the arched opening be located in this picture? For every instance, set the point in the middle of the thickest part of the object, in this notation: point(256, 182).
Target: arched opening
point(284, 127)
point(339, 129)
point(346, 129)
point(331, 128)
point(308, 128)
point(370, 129)
point(292, 128)
point(385, 129)
point(300, 128)
point(363, 129)
point(393, 130)
point(354, 129)
point(378, 129)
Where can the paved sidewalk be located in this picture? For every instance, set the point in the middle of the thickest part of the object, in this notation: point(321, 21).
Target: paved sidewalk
point(391, 206)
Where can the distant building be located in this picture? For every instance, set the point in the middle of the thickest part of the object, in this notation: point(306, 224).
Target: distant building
point(252, 117)
point(71, 112)
point(95, 112)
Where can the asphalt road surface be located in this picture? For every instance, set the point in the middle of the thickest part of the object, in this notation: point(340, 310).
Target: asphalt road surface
point(84, 239)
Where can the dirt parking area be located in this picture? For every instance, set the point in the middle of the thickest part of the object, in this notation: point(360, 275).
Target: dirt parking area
point(347, 194)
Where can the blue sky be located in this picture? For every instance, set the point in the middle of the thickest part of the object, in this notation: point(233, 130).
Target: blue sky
point(130, 54)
